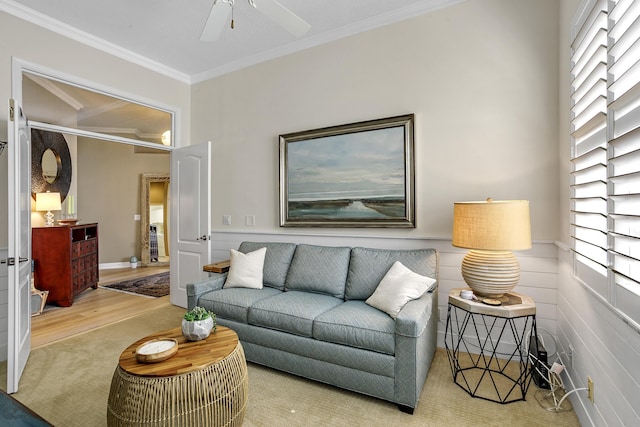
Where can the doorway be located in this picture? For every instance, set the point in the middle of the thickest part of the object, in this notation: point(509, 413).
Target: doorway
point(92, 118)
point(97, 118)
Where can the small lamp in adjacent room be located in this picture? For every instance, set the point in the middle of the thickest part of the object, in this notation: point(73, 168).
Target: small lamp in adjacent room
point(48, 202)
point(491, 230)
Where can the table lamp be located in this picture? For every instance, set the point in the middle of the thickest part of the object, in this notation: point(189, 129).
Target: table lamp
point(48, 202)
point(491, 230)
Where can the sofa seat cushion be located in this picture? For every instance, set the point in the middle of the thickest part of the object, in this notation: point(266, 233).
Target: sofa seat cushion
point(356, 324)
point(234, 303)
point(291, 312)
point(319, 269)
point(276, 260)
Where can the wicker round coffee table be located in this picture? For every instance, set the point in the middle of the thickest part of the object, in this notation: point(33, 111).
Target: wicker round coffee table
point(205, 383)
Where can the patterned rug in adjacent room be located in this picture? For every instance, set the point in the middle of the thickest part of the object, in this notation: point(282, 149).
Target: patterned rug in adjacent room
point(156, 285)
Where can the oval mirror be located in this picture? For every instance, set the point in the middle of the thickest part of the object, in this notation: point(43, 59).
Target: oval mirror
point(50, 166)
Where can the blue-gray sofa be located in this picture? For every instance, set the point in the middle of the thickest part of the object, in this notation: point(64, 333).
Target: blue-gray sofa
point(310, 318)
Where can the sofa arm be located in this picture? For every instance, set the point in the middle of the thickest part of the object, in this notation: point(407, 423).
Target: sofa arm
point(214, 282)
point(414, 316)
point(416, 341)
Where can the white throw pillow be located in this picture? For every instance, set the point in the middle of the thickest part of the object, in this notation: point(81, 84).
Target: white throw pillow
point(399, 286)
point(245, 270)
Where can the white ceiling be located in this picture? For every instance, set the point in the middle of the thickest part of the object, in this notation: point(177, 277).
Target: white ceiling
point(164, 35)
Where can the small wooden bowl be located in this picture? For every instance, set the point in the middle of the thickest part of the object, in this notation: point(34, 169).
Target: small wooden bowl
point(156, 350)
point(68, 221)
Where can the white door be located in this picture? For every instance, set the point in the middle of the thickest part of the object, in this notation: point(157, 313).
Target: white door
point(190, 220)
point(19, 265)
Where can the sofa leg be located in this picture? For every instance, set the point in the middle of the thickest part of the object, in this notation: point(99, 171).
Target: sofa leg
point(406, 409)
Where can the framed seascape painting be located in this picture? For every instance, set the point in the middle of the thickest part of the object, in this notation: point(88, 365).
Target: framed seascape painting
point(354, 175)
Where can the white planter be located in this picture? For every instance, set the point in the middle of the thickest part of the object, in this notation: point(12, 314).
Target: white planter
point(197, 330)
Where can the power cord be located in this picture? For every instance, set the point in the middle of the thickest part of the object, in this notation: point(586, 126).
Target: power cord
point(554, 399)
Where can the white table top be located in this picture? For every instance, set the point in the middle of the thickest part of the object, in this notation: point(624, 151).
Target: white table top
point(513, 304)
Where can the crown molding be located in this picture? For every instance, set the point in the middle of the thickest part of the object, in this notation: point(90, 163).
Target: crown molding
point(56, 91)
point(90, 40)
point(85, 38)
point(393, 17)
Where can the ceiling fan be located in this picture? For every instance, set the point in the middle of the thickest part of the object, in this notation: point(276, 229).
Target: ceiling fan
point(221, 9)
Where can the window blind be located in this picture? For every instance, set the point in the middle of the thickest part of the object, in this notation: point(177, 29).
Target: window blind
point(624, 154)
point(589, 125)
point(605, 95)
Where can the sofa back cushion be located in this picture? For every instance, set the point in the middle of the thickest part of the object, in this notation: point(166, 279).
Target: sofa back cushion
point(276, 261)
point(369, 266)
point(319, 269)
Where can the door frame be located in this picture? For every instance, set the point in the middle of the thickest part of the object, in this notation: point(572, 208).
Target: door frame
point(19, 67)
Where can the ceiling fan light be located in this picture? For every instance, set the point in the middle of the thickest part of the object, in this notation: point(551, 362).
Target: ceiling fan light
point(219, 17)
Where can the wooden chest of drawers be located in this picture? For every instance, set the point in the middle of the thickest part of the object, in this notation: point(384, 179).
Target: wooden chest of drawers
point(66, 260)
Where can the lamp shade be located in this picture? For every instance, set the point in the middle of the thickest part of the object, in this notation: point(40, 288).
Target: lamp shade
point(492, 225)
point(48, 202)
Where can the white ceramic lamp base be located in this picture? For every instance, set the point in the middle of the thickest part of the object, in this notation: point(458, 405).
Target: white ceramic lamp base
point(490, 273)
point(48, 219)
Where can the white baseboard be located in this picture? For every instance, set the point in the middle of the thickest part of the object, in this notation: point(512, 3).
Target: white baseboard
point(110, 265)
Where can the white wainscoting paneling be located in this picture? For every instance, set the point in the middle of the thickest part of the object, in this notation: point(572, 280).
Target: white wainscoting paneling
point(604, 347)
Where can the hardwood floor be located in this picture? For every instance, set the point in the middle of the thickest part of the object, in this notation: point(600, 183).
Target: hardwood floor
point(95, 308)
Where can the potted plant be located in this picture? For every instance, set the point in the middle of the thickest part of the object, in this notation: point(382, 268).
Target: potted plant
point(197, 323)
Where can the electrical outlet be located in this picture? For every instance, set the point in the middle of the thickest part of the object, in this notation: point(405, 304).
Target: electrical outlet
point(226, 219)
point(250, 220)
point(590, 388)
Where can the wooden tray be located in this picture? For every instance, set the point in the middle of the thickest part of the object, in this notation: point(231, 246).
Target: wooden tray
point(156, 350)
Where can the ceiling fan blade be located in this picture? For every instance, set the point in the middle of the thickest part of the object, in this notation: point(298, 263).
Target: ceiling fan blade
point(217, 20)
point(283, 17)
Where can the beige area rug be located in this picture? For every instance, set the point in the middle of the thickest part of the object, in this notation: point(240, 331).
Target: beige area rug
point(67, 383)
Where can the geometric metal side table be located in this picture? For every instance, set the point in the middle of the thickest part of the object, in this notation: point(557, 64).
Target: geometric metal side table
point(486, 346)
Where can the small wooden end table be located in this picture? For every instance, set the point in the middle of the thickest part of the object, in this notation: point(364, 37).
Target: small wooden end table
point(217, 267)
point(205, 383)
point(486, 345)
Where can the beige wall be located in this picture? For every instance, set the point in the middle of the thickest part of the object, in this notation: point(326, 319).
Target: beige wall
point(44, 48)
point(109, 194)
point(480, 76)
